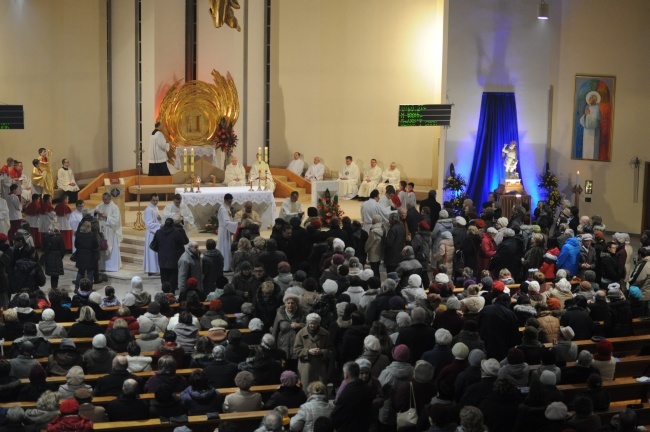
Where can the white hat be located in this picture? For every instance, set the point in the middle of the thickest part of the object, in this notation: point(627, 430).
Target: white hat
point(442, 278)
point(443, 214)
point(330, 287)
point(460, 221)
point(415, 281)
point(503, 221)
point(48, 315)
point(136, 284)
point(255, 324)
point(313, 317)
point(492, 230)
point(443, 336)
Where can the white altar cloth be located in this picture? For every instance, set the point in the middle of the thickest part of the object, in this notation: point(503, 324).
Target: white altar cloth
point(199, 151)
point(206, 203)
point(318, 189)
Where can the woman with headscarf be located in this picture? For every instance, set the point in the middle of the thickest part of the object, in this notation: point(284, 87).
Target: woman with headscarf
point(374, 246)
point(392, 378)
point(289, 320)
point(289, 394)
point(74, 381)
point(444, 254)
point(313, 348)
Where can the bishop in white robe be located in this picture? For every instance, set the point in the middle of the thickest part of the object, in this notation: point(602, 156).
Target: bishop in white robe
point(110, 224)
point(152, 222)
point(316, 171)
point(179, 211)
point(227, 227)
point(235, 173)
point(260, 171)
point(297, 165)
point(348, 179)
point(371, 178)
point(390, 176)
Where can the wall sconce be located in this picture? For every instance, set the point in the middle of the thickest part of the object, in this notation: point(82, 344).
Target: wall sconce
point(542, 10)
point(589, 187)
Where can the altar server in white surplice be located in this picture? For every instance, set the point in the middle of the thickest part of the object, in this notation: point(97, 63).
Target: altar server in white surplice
point(260, 172)
point(75, 220)
point(179, 212)
point(371, 178)
point(227, 227)
point(390, 176)
point(348, 179)
point(4, 217)
point(297, 165)
point(373, 207)
point(316, 171)
point(152, 222)
point(110, 224)
point(291, 207)
point(235, 173)
point(66, 182)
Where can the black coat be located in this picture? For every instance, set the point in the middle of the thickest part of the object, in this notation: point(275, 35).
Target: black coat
point(351, 345)
point(291, 397)
point(419, 338)
point(353, 408)
point(470, 247)
point(6, 255)
point(126, 408)
point(87, 247)
point(499, 329)
point(221, 374)
point(171, 245)
point(111, 384)
point(118, 339)
point(508, 255)
point(395, 241)
point(231, 303)
point(434, 207)
point(580, 321)
point(621, 321)
point(28, 274)
point(54, 252)
point(475, 393)
point(212, 269)
point(85, 329)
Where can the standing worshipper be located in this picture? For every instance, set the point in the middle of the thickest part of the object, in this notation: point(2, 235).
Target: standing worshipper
point(235, 173)
point(32, 213)
point(63, 213)
point(47, 217)
point(348, 179)
point(170, 243)
point(158, 148)
point(75, 220)
point(316, 171)
point(226, 228)
point(371, 178)
point(5, 177)
point(110, 224)
point(66, 182)
point(179, 211)
point(15, 211)
point(297, 165)
point(373, 207)
point(152, 221)
point(45, 166)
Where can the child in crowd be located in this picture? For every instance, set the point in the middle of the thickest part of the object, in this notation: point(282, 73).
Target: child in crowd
point(110, 298)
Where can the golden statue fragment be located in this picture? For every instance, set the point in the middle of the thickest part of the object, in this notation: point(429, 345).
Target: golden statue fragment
point(222, 13)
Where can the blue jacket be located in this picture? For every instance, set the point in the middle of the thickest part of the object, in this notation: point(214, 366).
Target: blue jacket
point(569, 256)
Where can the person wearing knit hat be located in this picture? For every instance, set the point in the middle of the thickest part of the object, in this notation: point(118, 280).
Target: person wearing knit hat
point(47, 328)
point(99, 341)
point(498, 286)
point(441, 278)
point(554, 304)
point(515, 367)
point(401, 353)
point(330, 287)
point(475, 357)
point(440, 355)
point(136, 285)
point(74, 381)
point(255, 324)
point(556, 411)
point(548, 378)
point(460, 351)
point(422, 372)
point(95, 298)
point(579, 373)
point(604, 361)
point(394, 276)
point(313, 348)
point(443, 337)
point(69, 419)
point(367, 274)
point(128, 300)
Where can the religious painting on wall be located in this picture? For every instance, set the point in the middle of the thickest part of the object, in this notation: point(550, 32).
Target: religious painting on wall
point(593, 117)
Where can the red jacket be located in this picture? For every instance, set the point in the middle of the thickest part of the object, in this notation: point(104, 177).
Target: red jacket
point(70, 423)
point(488, 249)
point(548, 266)
point(134, 325)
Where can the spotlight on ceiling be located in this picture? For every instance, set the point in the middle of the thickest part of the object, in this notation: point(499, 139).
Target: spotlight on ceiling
point(542, 10)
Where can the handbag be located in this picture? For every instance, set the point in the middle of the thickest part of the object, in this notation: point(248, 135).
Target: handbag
point(408, 419)
point(103, 244)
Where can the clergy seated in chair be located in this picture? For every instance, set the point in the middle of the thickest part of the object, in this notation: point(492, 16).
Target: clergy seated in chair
point(260, 175)
point(371, 179)
point(316, 171)
point(390, 176)
point(297, 165)
point(348, 179)
point(235, 173)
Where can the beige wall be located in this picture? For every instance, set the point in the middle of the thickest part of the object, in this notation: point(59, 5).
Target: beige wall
point(587, 48)
point(53, 61)
point(339, 71)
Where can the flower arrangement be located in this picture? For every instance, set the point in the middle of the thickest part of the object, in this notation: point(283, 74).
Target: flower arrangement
point(225, 140)
point(329, 208)
point(212, 226)
point(549, 183)
point(454, 187)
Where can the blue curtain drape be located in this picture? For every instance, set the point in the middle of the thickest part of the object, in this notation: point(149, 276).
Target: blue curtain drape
point(497, 126)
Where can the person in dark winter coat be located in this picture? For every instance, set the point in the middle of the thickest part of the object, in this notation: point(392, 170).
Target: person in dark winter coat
point(508, 255)
point(582, 370)
point(212, 266)
point(170, 243)
point(86, 325)
point(433, 205)
point(576, 316)
point(267, 301)
point(221, 373)
point(200, 397)
point(621, 314)
point(37, 385)
point(98, 359)
point(128, 406)
point(288, 394)
point(419, 337)
point(63, 358)
point(111, 384)
point(498, 407)
point(353, 408)
point(166, 374)
point(6, 256)
point(119, 337)
point(54, 251)
point(86, 252)
point(27, 273)
point(166, 404)
point(498, 327)
point(351, 345)
point(236, 350)
point(395, 241)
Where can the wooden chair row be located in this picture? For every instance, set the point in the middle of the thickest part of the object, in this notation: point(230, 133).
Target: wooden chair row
point(92, 378)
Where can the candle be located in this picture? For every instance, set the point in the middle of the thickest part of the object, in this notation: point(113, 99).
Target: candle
point(578, 178)
point(259, 151)
point(185, 161)
point(192, 160)
point(266, 154)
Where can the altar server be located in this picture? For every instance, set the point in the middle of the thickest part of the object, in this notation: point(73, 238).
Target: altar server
point(66, 182)
point(227, 227)
point(75, 219)
point(47, 217)
point(110, 224)
point(158, 148)
point(179, 211)
point(152, 222)
point(32, 215)
point(63, 212)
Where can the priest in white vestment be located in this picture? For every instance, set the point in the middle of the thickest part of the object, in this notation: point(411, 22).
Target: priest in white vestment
point(26, 190)
point(371, 178)
point(4, 217)
point(179, 212)
point(373, 207)
point(390, 176)
point(75, 220)
point(227, 227)
point(110, 225)
point(297, 165)
point(152, 221)
point(291, 207)
point(348, 179)
point(316, 171)
point(235, 173)
point(66, 182)
point(249, 213)
point(260, 172)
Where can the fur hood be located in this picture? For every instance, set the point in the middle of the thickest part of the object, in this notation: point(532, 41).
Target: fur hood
point(526, 309)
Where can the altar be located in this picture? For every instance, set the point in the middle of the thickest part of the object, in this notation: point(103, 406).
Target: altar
point(318, 189)
point(205, 204)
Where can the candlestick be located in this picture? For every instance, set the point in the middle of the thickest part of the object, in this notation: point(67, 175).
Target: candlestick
point(185, 161)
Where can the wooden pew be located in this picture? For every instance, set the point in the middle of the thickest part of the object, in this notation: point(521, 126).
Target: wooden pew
point(629, 366)
point(92, 378)
point(626, 343)
point(621, 389)
point(643, 413)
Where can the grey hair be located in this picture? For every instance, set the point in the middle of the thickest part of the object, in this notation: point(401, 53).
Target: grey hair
point(130, 387)
point(48, 401)
point(120, 363)
point(166, 365)
point(192, 244)
point(218, 352)
point(120, 323)
point(86, 313)
point(272, 421)
point(351, 369)
point(388, 285)
point(418, 315)
point(349, 252)
point(508, 232)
